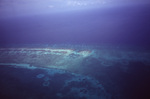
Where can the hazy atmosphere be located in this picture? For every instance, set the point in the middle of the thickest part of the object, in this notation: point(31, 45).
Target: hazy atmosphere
point(124, 22)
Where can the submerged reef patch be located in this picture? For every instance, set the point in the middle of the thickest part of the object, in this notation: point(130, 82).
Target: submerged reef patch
point(46, 83)
point(40, 75)
point(70, 85)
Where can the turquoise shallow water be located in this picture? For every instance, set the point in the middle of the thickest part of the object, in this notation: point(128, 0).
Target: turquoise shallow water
point(48, 83)
point(107, 72)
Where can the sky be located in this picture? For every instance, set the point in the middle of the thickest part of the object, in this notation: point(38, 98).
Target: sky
point(37, 22)
point(10, 8)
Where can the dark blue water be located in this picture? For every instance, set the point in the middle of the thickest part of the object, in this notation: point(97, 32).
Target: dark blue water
point(125, 26)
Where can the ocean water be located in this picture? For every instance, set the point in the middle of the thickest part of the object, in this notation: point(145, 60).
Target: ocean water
point(75, 53)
